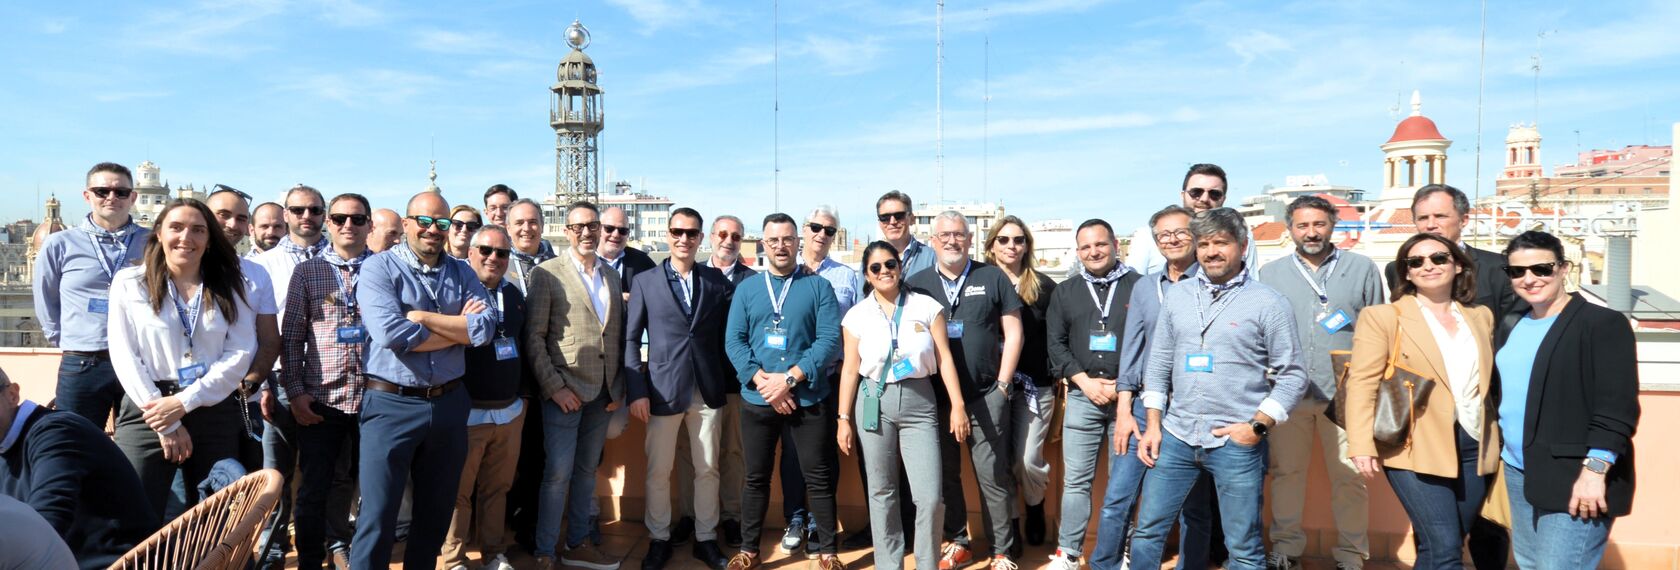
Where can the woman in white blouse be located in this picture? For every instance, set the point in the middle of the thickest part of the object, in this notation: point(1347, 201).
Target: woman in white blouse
point(182, 337)
point(895, 342)
point(1440, 472)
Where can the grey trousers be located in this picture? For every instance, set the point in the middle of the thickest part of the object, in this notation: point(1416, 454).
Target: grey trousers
point(908, 435)
point(1031, 431)
point(989, 447)
point(1085, 430)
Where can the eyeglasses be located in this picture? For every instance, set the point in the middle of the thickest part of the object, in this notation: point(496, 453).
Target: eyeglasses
point(1181, 235)
point(500, 253)
point(782, 241)
point(1010, 240)
point(1437, 258)
point(220, 188)
point(1539, 270)
point(300, 211)
point(470, 227)
point(428, 221)
point(1214, 194)
point(728, 236)
point(621, 230)
point(104, 192)
point(822, 229)
point(590, 227)
point(951, 236)
point(357, 219)
point(885, 217)
point(879, 266)
point(684, 233)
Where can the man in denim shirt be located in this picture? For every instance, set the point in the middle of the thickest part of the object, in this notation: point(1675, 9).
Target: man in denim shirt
point(1226, 351)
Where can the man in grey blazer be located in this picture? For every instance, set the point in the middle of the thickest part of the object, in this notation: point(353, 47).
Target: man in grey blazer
point(574, 338)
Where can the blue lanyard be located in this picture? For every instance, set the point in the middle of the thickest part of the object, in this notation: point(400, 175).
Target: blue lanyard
point(886, 365)
point(776, 301)
point(188, 313)
point(1320, 289)
point(346, 291)
point(110, 266)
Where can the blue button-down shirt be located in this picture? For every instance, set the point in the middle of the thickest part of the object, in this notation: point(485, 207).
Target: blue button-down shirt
point(916, 257)
point(390, 287)
point(72, 273)
point(1141, 311)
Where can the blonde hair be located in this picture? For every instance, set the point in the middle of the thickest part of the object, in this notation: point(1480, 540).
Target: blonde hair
point(1028, 287)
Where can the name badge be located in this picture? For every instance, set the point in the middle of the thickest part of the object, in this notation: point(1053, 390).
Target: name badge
point(352, 334)
point(1334, 321)
point(191, 373)
point(99, 305)
point(1104, 341)
point(903, 369)
point(776, 338)
point(506, 349)
point(1198, 362)
point(953, 329)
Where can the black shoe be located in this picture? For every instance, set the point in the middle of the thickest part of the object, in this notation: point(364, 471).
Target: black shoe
point(683, 531)
point(1016, 547)
point(731, 530)
point(659, 552)
point(708, 553)
point(1035, 524)
point(858, 539)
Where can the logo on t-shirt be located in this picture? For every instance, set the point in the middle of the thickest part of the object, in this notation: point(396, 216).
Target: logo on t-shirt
point(974, 290)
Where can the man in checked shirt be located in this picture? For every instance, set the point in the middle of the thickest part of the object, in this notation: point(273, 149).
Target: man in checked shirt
point(323, 376)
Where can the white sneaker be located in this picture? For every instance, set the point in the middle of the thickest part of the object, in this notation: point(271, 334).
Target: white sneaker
point(1277, 561)
point(458, 567)
point(1125, 561)
point(500, 562)
point(1061, 561)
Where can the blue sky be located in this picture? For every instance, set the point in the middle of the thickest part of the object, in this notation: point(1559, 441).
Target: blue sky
point(1096, 106)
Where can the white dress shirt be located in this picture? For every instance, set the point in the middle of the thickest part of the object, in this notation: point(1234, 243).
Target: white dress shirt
point(1462, 356)
point(147, 346)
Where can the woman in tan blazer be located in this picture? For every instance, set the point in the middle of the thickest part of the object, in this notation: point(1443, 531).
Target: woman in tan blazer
point(1440, 472)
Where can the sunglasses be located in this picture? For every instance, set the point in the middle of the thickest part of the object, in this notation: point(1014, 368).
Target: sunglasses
point(1437, 258)
point(728, 236)
point(684, 233)
point(621, 230)
point(590, 227)
point(1010, 240)
point(220, 188)
point(104, 192)
point(891, 217)
point(822, 229)
point(879, 266)
point(488, 251)
point(428, 221)
point(469, 226)
point(1214, 194)
point(1539, 270)
point(355, 219)
point(300, 211)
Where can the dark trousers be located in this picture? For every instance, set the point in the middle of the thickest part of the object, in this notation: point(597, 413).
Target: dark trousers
point(214, 431)
point(326, 491)
point(402, 440)
point(522, 499)
point(813, 430)
point(793, 483)
point(1490, 545)
point(279, 444)
point(1442, 509)
point(87, 387)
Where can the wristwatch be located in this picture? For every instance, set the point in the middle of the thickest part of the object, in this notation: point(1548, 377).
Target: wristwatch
point(790, 380)
point(1596, 465)
point(1259, 427)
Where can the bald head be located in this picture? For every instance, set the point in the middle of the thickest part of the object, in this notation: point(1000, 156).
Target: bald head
point(387, 230)
point(426, 241)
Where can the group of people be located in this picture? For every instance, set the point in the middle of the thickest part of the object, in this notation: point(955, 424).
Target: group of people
point(448, 378)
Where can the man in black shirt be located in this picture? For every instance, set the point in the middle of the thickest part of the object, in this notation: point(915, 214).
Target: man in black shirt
point(983, 321)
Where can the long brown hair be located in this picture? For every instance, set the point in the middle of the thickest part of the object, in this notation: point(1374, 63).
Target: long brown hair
point(1028, 287)
point(223, 279)
point(1464, 284)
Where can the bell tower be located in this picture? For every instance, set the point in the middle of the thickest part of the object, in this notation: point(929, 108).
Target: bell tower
point(1522, 152)
point(575, 113)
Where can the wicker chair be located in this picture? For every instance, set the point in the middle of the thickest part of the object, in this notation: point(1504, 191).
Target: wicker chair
point(218, 533)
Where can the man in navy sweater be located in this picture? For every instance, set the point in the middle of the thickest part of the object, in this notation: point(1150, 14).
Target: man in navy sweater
point(53, 461)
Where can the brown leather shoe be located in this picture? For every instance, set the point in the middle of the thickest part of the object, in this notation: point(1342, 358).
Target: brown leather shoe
point(830, 562)
point(743, 561)
point(544, 563)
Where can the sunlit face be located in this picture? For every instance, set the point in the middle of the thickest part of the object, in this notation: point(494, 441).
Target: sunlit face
point(111, 207)
point(683, 234)
point(1009, 247)
point(269, 226)
point(387, 230)
point(818, 239)
point(781, 241)
point(429, 240)
point(1096, 249)
point(496, 208)
point(882, 271)
point(1438, 268)
point(184, 234)
point(490, 268)
point(726, 239)
point(1435, 214)
point(615, 230)
point(1173, 237)
point(525, 223)
point(233, 212)
point(304, 214)
point(1310, 228)
point(346, 235)
point(894, 218)
point(583, 226)
point(1534, 289)
point(951, 237)
point(1220, 255)
point(1212, 192)
point(462, 226)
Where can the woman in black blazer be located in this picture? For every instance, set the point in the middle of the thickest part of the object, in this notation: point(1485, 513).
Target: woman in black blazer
point(1574, 364)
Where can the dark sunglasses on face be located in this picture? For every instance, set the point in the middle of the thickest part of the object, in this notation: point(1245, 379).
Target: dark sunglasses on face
point(822, 229)
point(105, 192)
point(888, 265)
point(1214, 194)
point(891, 217)
point(590, 227)
point(428, 221)
point(1539, 270)
point(220, 188)
point(300, 211)
point(1010, 240)
point(488, 251)
point(1437, 258)
point(621, 230)
point(684, 233)
point(355, 219)
point(469, 226)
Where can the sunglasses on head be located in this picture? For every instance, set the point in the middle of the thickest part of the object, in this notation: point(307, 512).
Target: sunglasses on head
point(1214, 194)
point(355, 219)
point(300, 211)
point(879, 266)
point(220, 188)
point(1010, 240)
point(1437, 258)
point(621, 230)
point(684, 233)
point(488, 251)
point(1539, 270)
point(469, 226)
point(104, 192)
point(428, 221)
point(822, 229)
point(885, 217)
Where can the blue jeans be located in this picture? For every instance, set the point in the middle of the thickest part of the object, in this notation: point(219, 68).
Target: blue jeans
point(1238, 473)
point(1544, 539)
point(1085, 432)
point(408, 439)
point(87, 387)
point(572, 444)
point(1120, 501)
point(279, 443)
point(1441, 509)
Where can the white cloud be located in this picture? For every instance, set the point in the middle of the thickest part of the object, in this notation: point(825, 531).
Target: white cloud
point(722, 69)
point(207, 28)
point(349, 13)
point(656, 15)
point(362, 88)
point(1256, 44)
point(840, 56)
point(118, 96)
point(55, 26)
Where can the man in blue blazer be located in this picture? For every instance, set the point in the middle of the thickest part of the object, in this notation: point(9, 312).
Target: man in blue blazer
point(683, 307)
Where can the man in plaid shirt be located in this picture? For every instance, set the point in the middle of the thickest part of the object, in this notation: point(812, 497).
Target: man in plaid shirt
point(323, 375)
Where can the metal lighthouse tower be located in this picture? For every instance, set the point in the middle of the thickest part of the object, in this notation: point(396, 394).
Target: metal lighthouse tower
point(575, 113)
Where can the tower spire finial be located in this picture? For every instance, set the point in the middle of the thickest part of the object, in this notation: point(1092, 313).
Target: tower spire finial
point(1417, 103)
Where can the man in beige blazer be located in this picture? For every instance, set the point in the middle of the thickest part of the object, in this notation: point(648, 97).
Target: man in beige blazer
point(575, 341)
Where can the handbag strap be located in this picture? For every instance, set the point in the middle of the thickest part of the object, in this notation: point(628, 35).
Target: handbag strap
point(1394, 352)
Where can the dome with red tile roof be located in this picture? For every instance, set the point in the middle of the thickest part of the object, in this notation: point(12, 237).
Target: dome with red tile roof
point(1416, 127)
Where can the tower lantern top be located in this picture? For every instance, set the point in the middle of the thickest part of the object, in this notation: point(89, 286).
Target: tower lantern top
point(577, 36)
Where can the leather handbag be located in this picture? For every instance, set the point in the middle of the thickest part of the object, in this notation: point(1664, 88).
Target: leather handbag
point(1400, 392)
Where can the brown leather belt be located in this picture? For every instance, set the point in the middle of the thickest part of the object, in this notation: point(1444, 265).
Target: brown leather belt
point(100, 354)
point(433, 392)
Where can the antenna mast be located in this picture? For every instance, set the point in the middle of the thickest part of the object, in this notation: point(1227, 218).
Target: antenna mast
point(986, 114)
point(776, 96)
point(939, 95)
point(1481, 83)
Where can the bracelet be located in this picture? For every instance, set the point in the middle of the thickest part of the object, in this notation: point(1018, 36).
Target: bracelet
point(845, 418)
